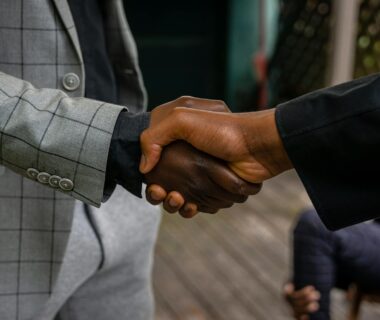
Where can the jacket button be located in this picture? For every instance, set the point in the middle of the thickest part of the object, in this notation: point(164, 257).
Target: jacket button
point(32, 173)
point(70, 81)
point(66, 184)
point(54, 181)
point(43, 177)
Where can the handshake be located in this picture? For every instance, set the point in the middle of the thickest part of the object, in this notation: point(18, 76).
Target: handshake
point(198, 156)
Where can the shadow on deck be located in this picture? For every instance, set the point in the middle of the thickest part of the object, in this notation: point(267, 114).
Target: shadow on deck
point(232, 266)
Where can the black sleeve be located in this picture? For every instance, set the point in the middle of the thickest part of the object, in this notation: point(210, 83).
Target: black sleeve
point(332, 136)
point(125, 153)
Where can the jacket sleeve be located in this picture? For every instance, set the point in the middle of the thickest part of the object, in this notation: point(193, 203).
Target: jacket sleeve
point(56, 140)
point(332, 136)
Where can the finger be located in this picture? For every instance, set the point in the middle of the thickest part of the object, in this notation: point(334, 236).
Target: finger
point(208, 210)
point(301, 316)
point(308, 309)
point(189, 210)
point(155, 194)
point(228, 180)
point(307, 292)
point(150, 152)
point(222, 205)
point(173, 202)
point(304, 301)
point(313, 307)
point(221, 198)
point(288, 288)
point(298, 307)
point(215, 197)
point(154, 138)
point(288, 291)
point(183, 124)
point(203, 104)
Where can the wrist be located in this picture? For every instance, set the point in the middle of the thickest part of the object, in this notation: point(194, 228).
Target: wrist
point(267, 146)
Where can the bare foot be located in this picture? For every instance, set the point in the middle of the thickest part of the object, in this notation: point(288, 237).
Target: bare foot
point(303, 301)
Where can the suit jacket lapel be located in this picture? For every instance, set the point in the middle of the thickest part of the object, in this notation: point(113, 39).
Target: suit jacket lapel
point(64, 12)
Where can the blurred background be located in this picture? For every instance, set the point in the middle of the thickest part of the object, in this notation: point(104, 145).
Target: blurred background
point(252, 54)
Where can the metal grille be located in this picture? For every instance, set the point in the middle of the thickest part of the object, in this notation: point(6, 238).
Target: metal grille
point(300, 61)
point(367, 58)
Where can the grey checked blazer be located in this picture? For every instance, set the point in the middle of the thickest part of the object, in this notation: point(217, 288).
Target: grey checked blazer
point(45, 133)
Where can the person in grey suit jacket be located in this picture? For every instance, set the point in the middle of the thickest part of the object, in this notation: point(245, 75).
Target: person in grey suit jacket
point(72, 105)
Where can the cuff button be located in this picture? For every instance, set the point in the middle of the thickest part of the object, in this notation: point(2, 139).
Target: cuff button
point(54, 181)
point(43, 177)
point(66, 184)
point(32, 173)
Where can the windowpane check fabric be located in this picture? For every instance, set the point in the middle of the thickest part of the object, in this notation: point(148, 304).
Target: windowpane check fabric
point(53, 131)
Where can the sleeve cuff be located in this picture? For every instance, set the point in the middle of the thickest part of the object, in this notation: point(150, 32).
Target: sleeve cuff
point(125, 153)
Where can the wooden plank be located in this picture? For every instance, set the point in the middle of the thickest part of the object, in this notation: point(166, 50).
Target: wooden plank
point(163, 309)
point(252, 229)
point(201, 279)
point(229, 268)
point(259, 273)
point(176, 298)
point(231, 271)
point(232, 265)
point(251, 252)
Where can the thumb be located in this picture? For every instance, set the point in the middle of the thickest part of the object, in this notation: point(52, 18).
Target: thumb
point(150, 155)
point(158, 135)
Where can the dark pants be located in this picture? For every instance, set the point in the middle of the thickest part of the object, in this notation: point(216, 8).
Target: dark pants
point(326, 259)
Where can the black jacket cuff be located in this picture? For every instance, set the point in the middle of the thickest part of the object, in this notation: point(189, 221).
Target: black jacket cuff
point(332, 137)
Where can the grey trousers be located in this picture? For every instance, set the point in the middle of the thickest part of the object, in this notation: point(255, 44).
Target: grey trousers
point(106, 272)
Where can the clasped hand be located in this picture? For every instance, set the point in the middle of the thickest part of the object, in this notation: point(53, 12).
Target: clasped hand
point(186, 179)
point(213, 169)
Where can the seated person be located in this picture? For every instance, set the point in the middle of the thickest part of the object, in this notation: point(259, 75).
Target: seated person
point(323, 259)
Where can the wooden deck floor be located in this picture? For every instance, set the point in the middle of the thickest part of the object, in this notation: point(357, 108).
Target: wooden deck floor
point(232, 266)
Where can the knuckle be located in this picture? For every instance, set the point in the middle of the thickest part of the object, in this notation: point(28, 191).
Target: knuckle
point(221, 105)
point(179, 117)
point(186, 101)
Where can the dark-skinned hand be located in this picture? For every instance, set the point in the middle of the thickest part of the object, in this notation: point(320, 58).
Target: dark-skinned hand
point(201, 180)
point(248, 142)
point(173, 200)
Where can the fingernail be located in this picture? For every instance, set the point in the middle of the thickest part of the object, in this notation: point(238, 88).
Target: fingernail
point(188, 211)
point(155, 196)
point(173, 202)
